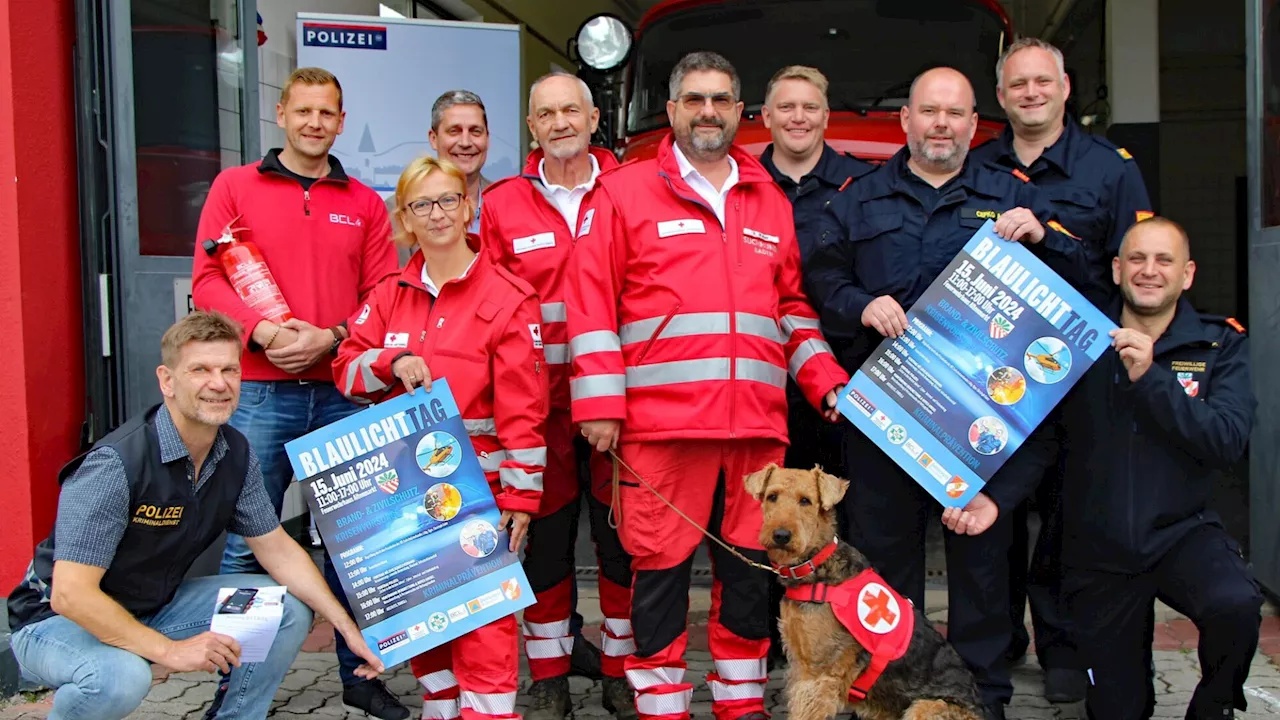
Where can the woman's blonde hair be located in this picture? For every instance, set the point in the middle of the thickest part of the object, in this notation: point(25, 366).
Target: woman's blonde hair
point(414, 172)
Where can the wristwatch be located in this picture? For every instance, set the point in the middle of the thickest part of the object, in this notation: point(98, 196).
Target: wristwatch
point(337, 340)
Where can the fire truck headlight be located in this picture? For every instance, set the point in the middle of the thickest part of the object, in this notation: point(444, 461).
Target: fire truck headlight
point(604, 42)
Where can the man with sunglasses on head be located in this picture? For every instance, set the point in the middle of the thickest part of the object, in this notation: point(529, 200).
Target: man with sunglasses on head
point(685, 315)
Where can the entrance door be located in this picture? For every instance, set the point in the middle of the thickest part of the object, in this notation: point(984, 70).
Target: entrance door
point(185, 106)
point(1263, 37)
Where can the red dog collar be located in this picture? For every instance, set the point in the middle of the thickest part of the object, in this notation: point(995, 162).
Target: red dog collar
point(795, 572)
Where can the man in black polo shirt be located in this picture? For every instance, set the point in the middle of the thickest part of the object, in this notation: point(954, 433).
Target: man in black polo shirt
point(107, 599)
point(810, 172)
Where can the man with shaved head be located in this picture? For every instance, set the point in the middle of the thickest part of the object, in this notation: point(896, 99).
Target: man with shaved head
point(880, 244)
point(530, 225)
point(1147, 430)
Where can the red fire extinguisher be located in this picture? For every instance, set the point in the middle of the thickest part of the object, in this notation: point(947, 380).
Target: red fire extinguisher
point(247, 270)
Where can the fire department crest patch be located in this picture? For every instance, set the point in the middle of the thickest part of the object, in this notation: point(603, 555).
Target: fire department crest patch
point(878, 610)
point(1000, 327)
point(1192, 387)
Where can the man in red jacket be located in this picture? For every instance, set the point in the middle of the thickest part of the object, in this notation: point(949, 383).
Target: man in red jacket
point(530, 225)
point(325, 237)
point(685, 318)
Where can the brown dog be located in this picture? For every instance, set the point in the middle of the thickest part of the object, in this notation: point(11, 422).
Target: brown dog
point(928, 681)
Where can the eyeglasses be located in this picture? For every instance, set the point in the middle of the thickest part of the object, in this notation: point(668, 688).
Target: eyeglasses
point(695, 101)
point(447, 203)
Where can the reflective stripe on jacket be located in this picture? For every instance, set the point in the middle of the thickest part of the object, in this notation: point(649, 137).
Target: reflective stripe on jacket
point(483, 335)
point(684, 328)
point(527, 235)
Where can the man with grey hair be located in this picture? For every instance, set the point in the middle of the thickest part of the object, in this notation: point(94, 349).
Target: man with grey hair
point(530, 224)
point(685, 315)
point(1097, 191)
point(881, 243)
point(460, 134)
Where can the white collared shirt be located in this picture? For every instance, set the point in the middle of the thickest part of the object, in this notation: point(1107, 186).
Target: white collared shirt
point(702, 186)
point(567, 200)
point(431, 286)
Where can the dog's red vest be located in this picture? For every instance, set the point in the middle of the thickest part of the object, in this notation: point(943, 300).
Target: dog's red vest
point(879, 618)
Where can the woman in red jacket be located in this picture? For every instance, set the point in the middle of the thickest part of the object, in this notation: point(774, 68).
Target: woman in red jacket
point(452, 313)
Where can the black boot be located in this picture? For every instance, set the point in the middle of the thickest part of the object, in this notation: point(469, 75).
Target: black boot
point(617, 697)
point(549, 699)
point(1065, 685)
point(585, 659)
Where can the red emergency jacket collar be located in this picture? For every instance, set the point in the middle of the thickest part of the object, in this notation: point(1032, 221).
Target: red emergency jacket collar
point(808, 567)
point(411, 275)
point(603, 157)
point(749, 168)
point(880, 619)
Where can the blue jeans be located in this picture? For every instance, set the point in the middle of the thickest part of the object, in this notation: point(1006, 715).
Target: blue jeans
point(271, 414)
point(102, 682)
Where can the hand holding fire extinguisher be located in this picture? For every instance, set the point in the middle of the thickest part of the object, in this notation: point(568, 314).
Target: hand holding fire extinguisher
point(293, 345)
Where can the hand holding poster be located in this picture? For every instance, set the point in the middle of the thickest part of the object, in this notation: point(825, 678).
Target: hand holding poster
point(410, 522)
point(991, 347)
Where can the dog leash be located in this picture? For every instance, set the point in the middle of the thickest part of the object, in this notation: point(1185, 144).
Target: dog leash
point(616, 498)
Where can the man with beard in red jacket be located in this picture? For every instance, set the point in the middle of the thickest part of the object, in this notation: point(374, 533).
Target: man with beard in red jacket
point(685, 317)
point(530, 225)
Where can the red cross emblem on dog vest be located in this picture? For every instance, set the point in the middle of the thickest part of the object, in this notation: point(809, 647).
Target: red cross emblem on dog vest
point(879, 618)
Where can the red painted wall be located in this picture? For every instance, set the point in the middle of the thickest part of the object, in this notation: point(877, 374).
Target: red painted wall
point(42, 396)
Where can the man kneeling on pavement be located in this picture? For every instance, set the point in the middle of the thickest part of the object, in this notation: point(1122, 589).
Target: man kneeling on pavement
point(1146, 432)
point(107, 598)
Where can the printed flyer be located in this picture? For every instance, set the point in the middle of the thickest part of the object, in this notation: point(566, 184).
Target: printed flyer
point(991, 347)
point(410, 523)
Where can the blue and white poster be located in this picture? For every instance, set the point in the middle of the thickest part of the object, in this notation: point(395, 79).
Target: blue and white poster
point(991, 347)
point(410, 522)
point(393, 69)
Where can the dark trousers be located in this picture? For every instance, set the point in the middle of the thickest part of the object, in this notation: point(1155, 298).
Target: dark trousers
point(813, 441)
point(884, 514)
point(1037, 580)
point(1203, 577)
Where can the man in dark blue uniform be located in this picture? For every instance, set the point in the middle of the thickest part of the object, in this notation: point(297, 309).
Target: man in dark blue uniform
point(1097, 191)
point(1146, 431)
point(810, 172)
point(882, 242)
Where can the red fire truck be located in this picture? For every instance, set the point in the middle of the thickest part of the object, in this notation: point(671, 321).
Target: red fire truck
point(870, 50)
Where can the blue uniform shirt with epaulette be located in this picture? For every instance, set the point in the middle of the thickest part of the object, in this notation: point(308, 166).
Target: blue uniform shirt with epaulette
point(810, 196)
point(1095, 188)
point(1149, 452)
point(892, 233)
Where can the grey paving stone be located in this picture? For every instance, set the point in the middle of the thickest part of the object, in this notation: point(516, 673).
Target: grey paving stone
point(163, 692)
point(305, 702)
point(299, 679)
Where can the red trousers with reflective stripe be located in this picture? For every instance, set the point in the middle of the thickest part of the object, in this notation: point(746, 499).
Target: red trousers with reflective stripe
point(686, 473)
point(474, 676)
point(552, 540)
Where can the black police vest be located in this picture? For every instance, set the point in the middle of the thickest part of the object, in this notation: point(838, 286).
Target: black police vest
point(169, 524)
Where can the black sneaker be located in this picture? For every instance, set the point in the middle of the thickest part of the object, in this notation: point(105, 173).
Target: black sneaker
point(549, 699)
point(371, 698)
point(584, 661)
